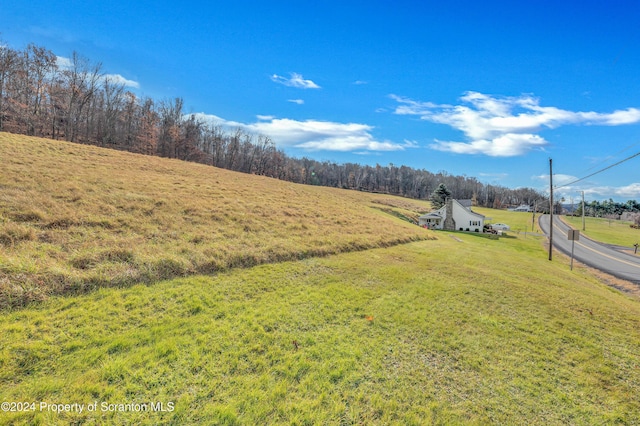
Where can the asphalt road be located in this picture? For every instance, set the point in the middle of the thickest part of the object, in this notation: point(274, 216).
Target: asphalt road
point(597, 255)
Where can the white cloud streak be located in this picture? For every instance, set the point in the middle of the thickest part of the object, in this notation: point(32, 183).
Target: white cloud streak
point(296, 80)
point(313, 135)
point(504, 126)
point(591, 191)
point(118, 79)
point(296, 101)
point(626, 192)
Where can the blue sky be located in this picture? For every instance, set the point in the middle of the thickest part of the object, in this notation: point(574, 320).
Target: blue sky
point(486, 89)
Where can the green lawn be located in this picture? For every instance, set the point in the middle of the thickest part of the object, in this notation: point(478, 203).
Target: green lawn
point(520, 222)
point(608, 231)
point(460, 330)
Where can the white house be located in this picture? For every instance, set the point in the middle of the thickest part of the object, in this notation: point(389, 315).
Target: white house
point(453, 216)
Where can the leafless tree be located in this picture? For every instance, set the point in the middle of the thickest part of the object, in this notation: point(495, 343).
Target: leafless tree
point(8, 64)
point(82, 80)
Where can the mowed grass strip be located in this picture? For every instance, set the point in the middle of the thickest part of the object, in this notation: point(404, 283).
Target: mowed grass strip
point(453, 331)
point(74, 218)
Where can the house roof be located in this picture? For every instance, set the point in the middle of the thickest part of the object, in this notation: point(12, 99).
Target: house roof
point(460, 202)
point(434, 215)
point(439, 214)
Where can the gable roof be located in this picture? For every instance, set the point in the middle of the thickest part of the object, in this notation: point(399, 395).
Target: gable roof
point(468, 208)
point(441, 212)
point(431, 215)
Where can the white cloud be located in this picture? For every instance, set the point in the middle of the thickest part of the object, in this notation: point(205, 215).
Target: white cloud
point(591, 191)
point(296, 80)
point(558, 179)
point(118, 79)
point(317, 135)
point(296, 101)
point(63, 63)
point(219, 121)
point(504, 126)
point(627, 192)
point(631, 191)
point(314, 135)
point(507, 145)
point(66, 64)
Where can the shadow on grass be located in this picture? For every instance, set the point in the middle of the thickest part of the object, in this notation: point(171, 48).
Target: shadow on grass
point(33, 289)
point(484, 235)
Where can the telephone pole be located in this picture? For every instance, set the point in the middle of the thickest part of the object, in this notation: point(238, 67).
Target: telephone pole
point(583, 210)
point(551, 209)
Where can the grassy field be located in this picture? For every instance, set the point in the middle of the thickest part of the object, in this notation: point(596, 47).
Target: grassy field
point(450, 328)
point(520, 222)
point(74, 218)
point(401, 335)
point(605, 230)
point(608, 231)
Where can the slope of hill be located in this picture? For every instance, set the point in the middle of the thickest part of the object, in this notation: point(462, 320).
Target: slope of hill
point(76, 217)
point(461, 330)
point(402, 335)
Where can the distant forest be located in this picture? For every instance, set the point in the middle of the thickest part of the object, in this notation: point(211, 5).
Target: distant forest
point(79, 103)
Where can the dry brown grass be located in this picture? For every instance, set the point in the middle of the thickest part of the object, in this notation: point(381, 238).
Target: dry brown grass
point(76, 217)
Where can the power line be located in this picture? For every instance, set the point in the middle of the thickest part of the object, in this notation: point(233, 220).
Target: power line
point(599, 171)
point(612, 156)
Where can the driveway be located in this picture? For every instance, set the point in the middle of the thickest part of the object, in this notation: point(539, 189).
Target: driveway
point(597, 255)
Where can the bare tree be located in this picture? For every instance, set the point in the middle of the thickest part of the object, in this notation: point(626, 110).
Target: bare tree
point(112, 105)
point(81, 83)
point(148, 131)
point(78, 103)
point(8, 63)
point(170, 118)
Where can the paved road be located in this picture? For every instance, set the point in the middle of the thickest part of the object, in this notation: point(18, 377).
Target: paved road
point(589, 252)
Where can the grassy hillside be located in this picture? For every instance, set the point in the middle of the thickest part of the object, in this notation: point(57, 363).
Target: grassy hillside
point(460, 330)
point(75, 218)
point(457, 329)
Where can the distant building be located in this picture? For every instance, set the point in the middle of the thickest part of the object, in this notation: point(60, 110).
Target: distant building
point(520, 208)
point(453, 216)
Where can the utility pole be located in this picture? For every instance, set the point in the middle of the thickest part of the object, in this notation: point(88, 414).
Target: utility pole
point(572, 206)
point(551, 209)
point(583, 210)
point(533, 219)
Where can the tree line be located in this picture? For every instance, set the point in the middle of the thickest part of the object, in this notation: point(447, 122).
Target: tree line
point(78, 102)
point(608, 208)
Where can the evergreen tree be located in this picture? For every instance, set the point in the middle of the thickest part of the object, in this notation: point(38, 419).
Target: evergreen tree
point(439, 196)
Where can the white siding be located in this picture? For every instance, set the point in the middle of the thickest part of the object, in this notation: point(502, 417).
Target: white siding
point(466, 220)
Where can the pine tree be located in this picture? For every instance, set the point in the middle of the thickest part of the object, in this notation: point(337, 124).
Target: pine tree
point(439, 196)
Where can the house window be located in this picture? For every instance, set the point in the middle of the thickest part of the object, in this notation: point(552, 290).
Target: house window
point(474, 223)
